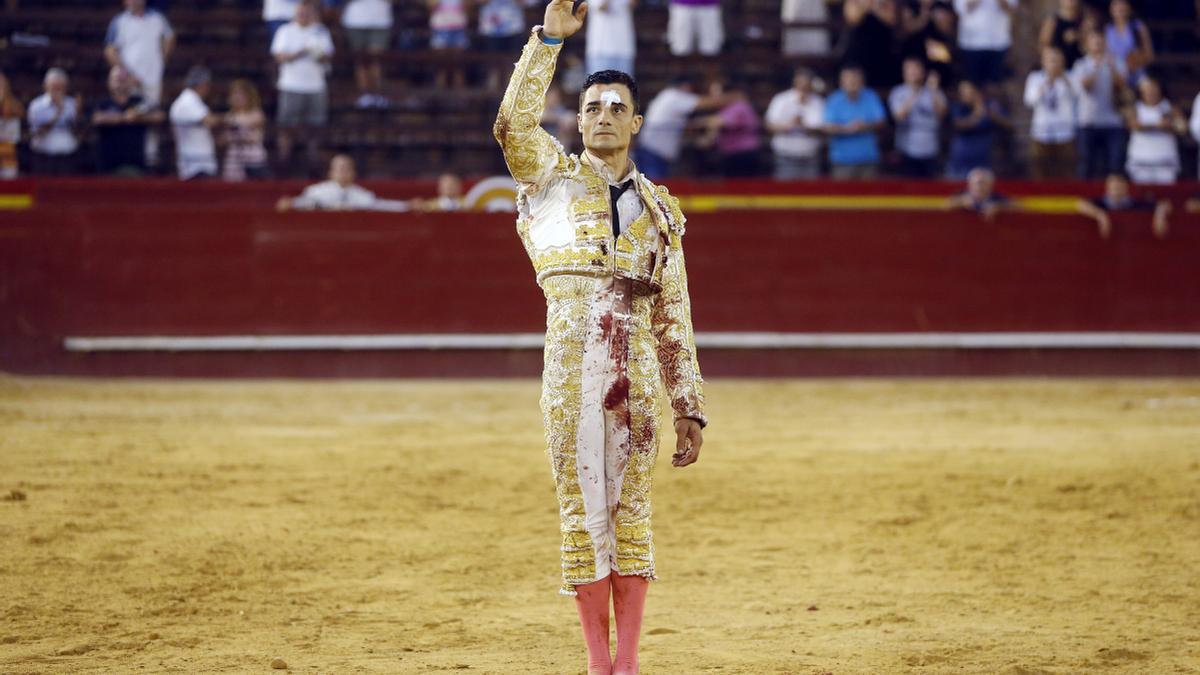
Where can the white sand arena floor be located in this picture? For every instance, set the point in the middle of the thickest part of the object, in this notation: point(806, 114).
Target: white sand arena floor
point(888, 526)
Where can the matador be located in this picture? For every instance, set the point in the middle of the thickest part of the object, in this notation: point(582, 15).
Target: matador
point(606, 245)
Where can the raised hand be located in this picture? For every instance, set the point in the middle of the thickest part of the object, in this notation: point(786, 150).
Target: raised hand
point(561, 21)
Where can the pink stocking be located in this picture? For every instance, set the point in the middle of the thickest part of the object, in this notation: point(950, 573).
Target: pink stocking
point(592, 603)
point(629, 602)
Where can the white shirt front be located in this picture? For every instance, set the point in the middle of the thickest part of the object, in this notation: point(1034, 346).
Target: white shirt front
point(59, 139)
point(332, 196)
point(306, 74)
point(367, 14)
point(787, 108)
point(194, 149)
point(139, 41)
point(987, 26)
point(610, 30)
point(1153, 148)
point(280, 10)
point(1053, 108)
point(666, 119)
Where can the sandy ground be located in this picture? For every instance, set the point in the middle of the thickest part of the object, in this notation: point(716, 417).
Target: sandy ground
point(983, 526)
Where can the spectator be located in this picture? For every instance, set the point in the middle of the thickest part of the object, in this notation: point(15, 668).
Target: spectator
point(303, 49)
point(503, 29)
point(869, 41)
point(368, 25)
point(1100, 81)
point(1128, 39)
point(661, 139)
point(853, 117)
point(195, 153)
point(918, 107)
point(276, 13)
point(695, 26)
point(245, 155)
point(339, 193)
point(1050, 94)
point(1064, 29)
point(805, 40)
point(121, 120)
point(52, 121)
point(140, 40)
point(448, 32)
point(976, 117)
point(11, 112)
point(1117, 198)
point(930, 37)
point(558, 120)
point(611, 42)
point(980, 195)
point(734, 132)
point(984, 36)
point(1153, 155)
point(795, 118)
point(449, 195)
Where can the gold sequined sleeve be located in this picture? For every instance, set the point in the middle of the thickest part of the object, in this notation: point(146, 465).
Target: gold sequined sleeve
point(532, 154)
point(671, 322)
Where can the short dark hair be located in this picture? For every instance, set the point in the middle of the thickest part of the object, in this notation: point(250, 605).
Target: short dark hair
point(612, 77)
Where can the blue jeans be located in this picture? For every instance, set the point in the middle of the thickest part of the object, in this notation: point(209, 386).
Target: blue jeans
point(984, 66)
point(1101, 151)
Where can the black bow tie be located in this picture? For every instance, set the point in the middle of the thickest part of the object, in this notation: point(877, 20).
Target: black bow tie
point(615, 192)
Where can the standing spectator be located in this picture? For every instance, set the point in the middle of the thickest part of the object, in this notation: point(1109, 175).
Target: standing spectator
point(734, 132)
point(195, 152)
point(661, 139)
point(1128, 39)
point(303, 49)
point(121, 120)
point(503, 30)
point(11, 112)
point(869, 42)
point(931, 38)
point(276, 13)
point(805, 40)
point(448, 32)
point(1153, 156)
point(611, 42)
point(140, 40)
point(1049, 93)
point(853, 118)
point(245, 155)
point(1100, 80)
point(1117, 197)
point(795, 118)
point(1064, 29)
point(984, 36)
point(695, 26)
point(975, 119)
point(918, 106)
point(368, 25)
point(52, 120)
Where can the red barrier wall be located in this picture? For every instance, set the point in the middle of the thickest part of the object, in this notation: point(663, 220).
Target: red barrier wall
point(158, 269)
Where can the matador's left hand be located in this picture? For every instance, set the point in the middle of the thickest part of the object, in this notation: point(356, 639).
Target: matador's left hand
point(688, 439)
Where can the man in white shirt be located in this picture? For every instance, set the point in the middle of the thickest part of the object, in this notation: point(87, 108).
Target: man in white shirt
point(795, 118)
point(140, 40)
point(52, 119)
point(192, 122)
point(276, 13)
point(611, 44)
point(302, 48)
point(1052, 97)
point(368, 25)
point(339, 193)
point(661, 140)
point(984, 36)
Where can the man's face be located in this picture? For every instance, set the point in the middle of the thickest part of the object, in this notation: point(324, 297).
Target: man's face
point(851, 80)
point(914, 71)
point(1096, 46)
point(304, 14)
point(1116, 188)
point(341, 171)
point(56, 86)
point(802, 82)
point(606, 118)
point(119, 84)
point(1053, 62)
point(449, 186)
point(980, 184)
point(135, 6)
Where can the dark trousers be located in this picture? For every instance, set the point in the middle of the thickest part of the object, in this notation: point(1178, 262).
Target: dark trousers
point(1101, 151)
point(918, 167)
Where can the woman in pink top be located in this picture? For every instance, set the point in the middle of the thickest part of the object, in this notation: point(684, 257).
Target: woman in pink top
point(736, 133)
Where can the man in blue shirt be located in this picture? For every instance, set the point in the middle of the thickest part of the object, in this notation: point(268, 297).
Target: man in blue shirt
point(853, 117)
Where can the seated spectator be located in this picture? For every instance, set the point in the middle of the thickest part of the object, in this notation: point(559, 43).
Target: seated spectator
point(870, 27)
point(1099, 80)
point(734, 132)
point(276, 13)
point(11, 112)
point(1049, 93)
point(918, 106)
point(368, 25)
point(192, 122)
point(245, 123)
point(975, 119)
point(339, 193)
point(853, 117)
point(1153, 155)
point(448, 32)
point(1065, 30)
point(449, 196)
point(611, 42)
point(52, 121)
point(795, 118)
point(303, 49)
point(695, 26)
point(121, 120)
point(805, 41)
point(980, 195)
point(660, 141)
point(930, 37)
point(984, 36)
point(1128, 39)
point(1117, 198)
point(140, 40)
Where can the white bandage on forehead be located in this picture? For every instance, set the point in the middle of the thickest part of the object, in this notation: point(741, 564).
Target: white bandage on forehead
point(610, 97)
